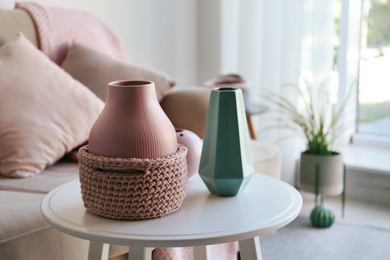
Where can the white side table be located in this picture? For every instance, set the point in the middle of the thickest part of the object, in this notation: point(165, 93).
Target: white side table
point(266, 205)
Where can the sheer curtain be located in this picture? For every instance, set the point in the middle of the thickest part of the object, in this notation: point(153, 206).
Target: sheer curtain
point(270, 43)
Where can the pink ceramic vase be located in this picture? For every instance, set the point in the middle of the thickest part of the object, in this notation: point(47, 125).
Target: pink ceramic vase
point(194, 146)
point(132, 124)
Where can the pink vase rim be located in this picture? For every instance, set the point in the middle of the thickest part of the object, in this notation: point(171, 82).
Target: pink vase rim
point(129, 83)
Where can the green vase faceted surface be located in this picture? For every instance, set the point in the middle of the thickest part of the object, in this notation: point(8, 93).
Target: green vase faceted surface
point(226, 163)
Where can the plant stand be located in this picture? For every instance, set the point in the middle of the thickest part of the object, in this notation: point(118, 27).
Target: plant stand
point(319, 198)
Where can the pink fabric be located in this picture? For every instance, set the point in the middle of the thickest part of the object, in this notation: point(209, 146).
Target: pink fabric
point(227, 251)
point(57, 27)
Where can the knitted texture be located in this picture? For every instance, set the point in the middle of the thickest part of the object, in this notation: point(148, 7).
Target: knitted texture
point(132, 188)
point(58, 27)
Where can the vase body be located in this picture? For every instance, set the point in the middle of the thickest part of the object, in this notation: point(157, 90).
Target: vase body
point(132, 124)
point(323, 171)
point(226, 164)
point(194, 146)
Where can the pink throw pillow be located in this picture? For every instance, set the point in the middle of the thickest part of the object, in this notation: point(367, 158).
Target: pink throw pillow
point(44, 112)
point(95, 70)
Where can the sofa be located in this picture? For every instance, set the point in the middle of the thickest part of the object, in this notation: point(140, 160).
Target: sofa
point(52, 90)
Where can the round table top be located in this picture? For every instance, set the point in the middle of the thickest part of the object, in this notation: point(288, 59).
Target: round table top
point(265, 205)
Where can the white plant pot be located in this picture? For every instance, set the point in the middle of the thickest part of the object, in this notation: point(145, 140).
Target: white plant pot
point(329, 170)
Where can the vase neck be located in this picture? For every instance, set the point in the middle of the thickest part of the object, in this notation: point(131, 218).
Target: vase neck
point(130, 95)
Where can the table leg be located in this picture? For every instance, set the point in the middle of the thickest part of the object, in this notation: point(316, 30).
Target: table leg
point(201, 253)
point(250, 249)
point(251, 129)
point(98, 250)
point(140, 253)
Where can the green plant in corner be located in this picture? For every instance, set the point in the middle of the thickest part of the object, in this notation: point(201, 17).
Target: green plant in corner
point(319, 122)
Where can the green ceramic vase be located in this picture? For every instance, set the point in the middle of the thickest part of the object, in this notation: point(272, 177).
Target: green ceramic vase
point(226, 163)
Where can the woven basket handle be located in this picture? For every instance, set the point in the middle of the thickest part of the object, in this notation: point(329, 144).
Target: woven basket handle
point(134, 169)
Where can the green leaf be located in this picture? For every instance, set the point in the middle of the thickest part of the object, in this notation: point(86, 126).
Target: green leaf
point(320, 136)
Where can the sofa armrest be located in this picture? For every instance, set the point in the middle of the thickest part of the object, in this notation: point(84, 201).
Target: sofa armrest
point(187, 108)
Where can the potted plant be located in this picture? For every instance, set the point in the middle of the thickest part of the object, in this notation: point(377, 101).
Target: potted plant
point(321, 168)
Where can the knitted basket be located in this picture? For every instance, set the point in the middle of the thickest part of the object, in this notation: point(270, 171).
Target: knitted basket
point(131, 188)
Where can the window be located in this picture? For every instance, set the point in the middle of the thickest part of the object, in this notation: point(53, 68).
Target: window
point(374, 70)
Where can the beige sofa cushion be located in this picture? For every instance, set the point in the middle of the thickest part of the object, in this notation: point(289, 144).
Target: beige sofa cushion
point(95, 70)
point(44, 182)
point(45, 114)
point(24, 234)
